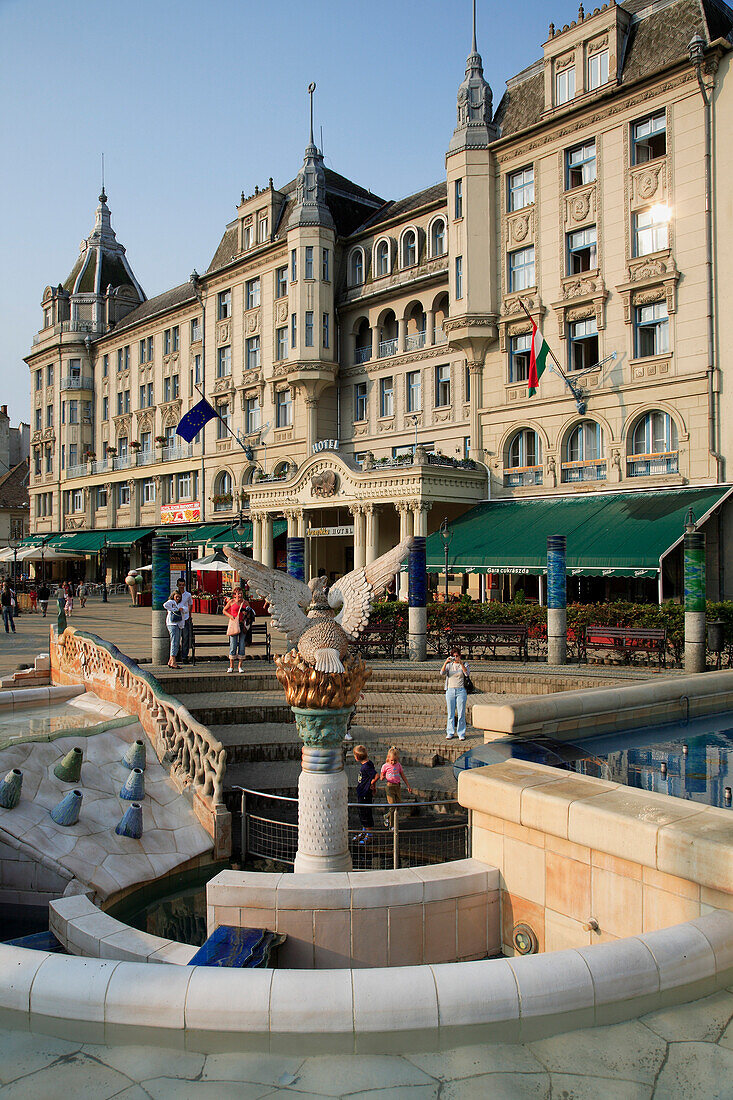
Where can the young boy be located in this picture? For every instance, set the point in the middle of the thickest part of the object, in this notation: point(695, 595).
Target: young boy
point(364, 788)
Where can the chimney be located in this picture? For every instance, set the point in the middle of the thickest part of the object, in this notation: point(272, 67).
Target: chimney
point(4, 410)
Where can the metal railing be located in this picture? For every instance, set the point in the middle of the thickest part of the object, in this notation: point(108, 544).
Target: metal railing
point(666, 462)
point(415, 340)
point(121, 462)
point(387, 347)
point(145, 458)
point(589, 470)
point(522, 475)
point(77, 382)
point(100, 466)
point(77, 471)
point(418, 837)
point(363, 355)
point(171, 453)
point(439, 336)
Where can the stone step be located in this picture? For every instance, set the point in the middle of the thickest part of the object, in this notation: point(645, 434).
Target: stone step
point(282, 778)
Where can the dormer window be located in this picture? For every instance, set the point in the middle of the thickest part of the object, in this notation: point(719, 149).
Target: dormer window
point(597, 70)
point(356, 268)
point(246, 237)
point(382, 258)
point(565, 86)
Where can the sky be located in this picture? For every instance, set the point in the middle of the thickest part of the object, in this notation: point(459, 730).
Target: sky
point(193, 102)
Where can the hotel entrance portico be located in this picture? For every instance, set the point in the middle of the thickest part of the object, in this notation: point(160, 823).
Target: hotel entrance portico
point(349, 514)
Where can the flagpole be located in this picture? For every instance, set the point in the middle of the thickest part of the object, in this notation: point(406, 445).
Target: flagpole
point(218, 415)
point(579, 400)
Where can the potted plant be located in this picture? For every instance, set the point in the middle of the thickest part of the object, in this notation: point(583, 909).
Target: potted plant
point(112, 451)
point(135, 445)
point(160, 440)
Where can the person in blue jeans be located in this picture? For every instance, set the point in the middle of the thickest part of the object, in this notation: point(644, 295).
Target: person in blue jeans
point(7, 600)
point(174, 621)
point(456, 673)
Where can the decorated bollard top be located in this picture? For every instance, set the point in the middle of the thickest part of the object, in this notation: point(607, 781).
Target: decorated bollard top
point(321, 622)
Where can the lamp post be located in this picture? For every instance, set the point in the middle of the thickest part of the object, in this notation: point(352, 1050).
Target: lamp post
point(446, 535)
point(14, 545)
point(43, 565)
point(104, 570)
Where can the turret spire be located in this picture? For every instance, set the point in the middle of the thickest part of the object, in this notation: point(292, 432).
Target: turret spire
point(474, 128)
point(311, 207)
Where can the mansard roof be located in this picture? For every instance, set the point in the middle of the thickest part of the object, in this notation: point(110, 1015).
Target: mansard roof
point(400, 208)
point(14, 486)
point(101, 261)
point(152, 307)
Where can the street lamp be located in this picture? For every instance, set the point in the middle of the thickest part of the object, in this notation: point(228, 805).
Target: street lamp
point(104, 570)
point(446, 535)
point(14, 545)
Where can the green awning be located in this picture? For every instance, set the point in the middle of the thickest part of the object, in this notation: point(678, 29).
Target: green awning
point(608, 534)
point(230, 538)
point(204, 533)
point(91, 542)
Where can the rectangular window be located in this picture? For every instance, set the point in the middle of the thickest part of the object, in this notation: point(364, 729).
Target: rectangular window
point(519, 349)
point(166, 389)
point(150, 349)
point(149, 491)
point(105, 366)
point(262, 230)
point(284, 411)
point(73, 412)
point(521, 269)
point(122, 446)
point(308, 261)
point(39, 423)
point(413, 390)
point(197, 369)
point(326, 265)
point(120, 360)
point(582, 254)
point(458, 199)
point(326, 330)
point(597, 70)
point(167, 342)
point(224, 361)
point(281, 282)
point(49, 460)
point(151, 400)
point(143, 351)
point(649, 138)
point(252, 293)
point(126, 351)
point(467, 383)
point(105, 408)
point(39, 379)
point(86, 412)
point(146, 441)
point(293, 329)
point(651, 326)
point(143, 397)
point(127, 401)
point(580, 165)
point(176, 334)
point(123, 494)
point(293, 265)
point(442, 385)
point(195, 330)
point(565, 86)
point(63, 414)
point(520, 188)
point(73, 452)
point(582, 344)
point(253, 353)
point(49, 374)
point(651, 230)
point(170, 437)
point(386, 397)
point(253, 415)
point(224, 420)
point(101, 498)
point(246, 237)
point(459, 277)
point(176, 381)
point(224, 304)
point(49, 415)
point(360, 401)
point(184, 486)
point(309, 328)
point(281, 343)
point(37, 462)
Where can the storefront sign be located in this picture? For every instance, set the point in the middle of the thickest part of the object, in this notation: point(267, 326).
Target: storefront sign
point(187, 512)
point(345, 532)
point(325, 445)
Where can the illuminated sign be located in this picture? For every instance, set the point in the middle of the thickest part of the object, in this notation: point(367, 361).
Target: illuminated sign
point(183, 512)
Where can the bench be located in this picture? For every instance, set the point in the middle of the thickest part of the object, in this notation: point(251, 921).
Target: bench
point(378, 640)
point(626, 640)
point(218, 630)
point(489, 637)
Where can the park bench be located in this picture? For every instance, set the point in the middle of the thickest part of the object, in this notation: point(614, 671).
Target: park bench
point(626, 640)
point(378, 639)
point(488, 637)
point(218, 630)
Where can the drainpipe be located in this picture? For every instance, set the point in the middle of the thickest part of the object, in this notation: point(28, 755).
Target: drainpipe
point(196, 286)
point(696, 51)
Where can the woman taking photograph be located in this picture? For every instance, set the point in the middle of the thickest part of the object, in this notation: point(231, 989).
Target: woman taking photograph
point(174, 622)
point(241, 616)
point(456, 673)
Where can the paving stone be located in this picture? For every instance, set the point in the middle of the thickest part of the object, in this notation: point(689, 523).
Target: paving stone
point(22, 1053)
point(74, 1075)
point(704, 1020)
point(627, 1050)
point(696, 1069)
point(361, 1074)
point(257, 1068)
point(499, 1086)
point(472, 1061)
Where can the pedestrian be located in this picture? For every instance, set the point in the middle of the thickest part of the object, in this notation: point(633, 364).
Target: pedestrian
point(241, 617)
point(456, 674)
point(68, 599)
point(393, 774)
point(33, 597)
point(82, 593)
point(364, 792)
point(174, 622)
point(7, 601)
point(44, 595)
point(187, 606)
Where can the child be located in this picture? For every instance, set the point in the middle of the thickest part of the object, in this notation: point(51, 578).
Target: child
point(392, 772)
point(364, 788)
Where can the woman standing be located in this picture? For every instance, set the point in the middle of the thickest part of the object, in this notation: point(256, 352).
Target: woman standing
point(456, 673)
point(174, 623)
point(238, 612)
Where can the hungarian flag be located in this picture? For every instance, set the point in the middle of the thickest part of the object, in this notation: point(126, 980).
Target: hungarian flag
point(538, 353)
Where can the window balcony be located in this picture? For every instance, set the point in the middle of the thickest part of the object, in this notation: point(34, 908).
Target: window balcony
point(414, 341)
point(363, 355)
point(122, 462)
point(588, 470)
point(145, 458)
point(100, 466)
point(386, 348)
point(518, 477)
point(439, 337)
point(77, 382)
point(173, 452)
point(651, 465)
point(77, 471)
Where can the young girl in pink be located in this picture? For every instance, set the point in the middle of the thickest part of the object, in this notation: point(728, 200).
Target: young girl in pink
point(393, 774)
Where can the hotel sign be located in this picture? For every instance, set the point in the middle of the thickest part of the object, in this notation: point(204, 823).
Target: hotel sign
point(344, 532)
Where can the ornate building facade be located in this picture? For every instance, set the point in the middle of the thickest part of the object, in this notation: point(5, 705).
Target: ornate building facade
point(371, 357)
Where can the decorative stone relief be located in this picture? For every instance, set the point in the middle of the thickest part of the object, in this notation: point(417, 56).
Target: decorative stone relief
point(519, 228)
point(252, 322)
point(648, 182)
point(223, 331)
point(282, 312)
point(580, 206)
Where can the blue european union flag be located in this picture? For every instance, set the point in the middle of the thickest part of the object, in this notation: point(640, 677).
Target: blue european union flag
point(194, 420)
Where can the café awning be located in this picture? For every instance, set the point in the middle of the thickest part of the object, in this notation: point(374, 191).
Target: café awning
point(92, 542)
point(608, 534)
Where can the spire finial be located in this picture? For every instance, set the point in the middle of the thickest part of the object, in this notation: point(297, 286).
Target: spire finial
point(311, 90)
point(474, 48)
point(103, 194)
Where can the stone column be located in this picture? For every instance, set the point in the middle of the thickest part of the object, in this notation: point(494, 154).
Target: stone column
point(256, 538)
point(268, 550)
point(420, 518)
point(311, 427)
point(134, 487)
point(405, 512)
point(430, 327)
point(357, 511)
point(476, 374)
point(417, 600)
point(372, 532)
point(161, 593)
point(556, 601)
point(323, 839)
point(695, 640)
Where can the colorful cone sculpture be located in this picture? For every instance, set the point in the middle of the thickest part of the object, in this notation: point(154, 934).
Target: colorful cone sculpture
point(135, 756)
point(10, 789)
point(66, 812)
point(134, 788)
point(131, 823)
point(69, 769)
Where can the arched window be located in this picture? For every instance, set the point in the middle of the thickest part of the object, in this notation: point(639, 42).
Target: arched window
point(281, 470)
point(382, 258)
point(523, 459)
point(654, 446)
point(409, 249)
point(437, 238)
point(223, 492)
point(356, 274)
point(584, 458)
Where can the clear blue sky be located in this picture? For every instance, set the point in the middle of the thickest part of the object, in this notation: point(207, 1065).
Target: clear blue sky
point(193, 102)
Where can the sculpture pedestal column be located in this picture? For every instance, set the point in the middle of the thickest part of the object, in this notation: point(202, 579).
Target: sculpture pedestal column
point(323, 840)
